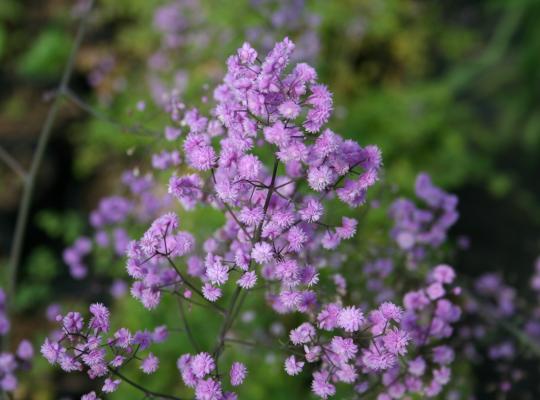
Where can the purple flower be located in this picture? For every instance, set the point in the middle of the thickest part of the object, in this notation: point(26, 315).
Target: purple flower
point(321, 102)
point(210, 292)
point(343, 347)
point(328, 317)
point(150, 364)
point(305, 333)
point(248, 280)
point(90, 396)
point(293, 367)
point(100, 317)
point(187, 189)
point(262, 252)
point(377, 360)
point(238, 373)
point(51, 351)
point(25, 350)
point(160, 334)
point(350, 319)
point(110, 385)
point(202, 364)
point(208, 389)
point(396, 341)
point(321, 386)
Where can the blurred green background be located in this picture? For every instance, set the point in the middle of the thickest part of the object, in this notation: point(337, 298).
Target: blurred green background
point(447, 87)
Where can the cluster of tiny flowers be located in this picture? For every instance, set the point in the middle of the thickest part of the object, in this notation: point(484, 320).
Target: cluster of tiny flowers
point(94, 348)
point(286, 16)
point(271, 220)
point(398, 347)
point(74, 257)
point(277, 235)
point(416, 229)
point(198, 372)
point(178, 24)
point(12, 363)
point(494, 312)
point(109, 221)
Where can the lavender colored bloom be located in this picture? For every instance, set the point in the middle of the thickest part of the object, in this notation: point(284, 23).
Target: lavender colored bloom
point(100, 317)
point(90, 396)
point(248, 280)
point(25, 350)
point(110, 385)
point(202, 364)
point(150, 364)
point(303, 334)
point(238, 373)
point(396, 341)
point(210, 292)
point(293, 367)
point(350, 319)
point(160, 334)
point(208, 389)
point(321, 386)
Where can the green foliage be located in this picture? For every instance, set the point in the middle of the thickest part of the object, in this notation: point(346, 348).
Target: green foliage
point(3, 36)
point(46, 55)
point(66, 226)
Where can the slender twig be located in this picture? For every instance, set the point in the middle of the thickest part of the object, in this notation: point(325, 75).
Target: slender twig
point(147, 392)
point(186, 325)
point(262, 344)
point(192, 287)
point(229, 209)
point(12, 163)
point(29, 184)
point(73, 97)
point(233, 310)
point(236, 220)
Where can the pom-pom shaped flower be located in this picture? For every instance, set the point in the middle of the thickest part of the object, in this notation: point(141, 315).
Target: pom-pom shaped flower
point(350, 319)
point(238, 373)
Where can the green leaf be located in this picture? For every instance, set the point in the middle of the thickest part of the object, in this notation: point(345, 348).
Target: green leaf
point(46, 56)
point(42, 265)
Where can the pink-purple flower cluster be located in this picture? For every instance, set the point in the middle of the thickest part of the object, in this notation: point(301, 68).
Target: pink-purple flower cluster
point(416, 229)
point(263, 157)
point(92, 346)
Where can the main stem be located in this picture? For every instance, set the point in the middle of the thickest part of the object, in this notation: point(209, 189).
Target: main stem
point(29, 183)
point(231, 312)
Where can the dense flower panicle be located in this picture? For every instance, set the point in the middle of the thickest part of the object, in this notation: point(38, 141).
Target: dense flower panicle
point(275, 230)
point(94, 349)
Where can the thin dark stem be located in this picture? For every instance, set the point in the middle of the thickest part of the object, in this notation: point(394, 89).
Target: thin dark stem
point(28, 190)
point(146, 391)
point(233, 310)
point(74, 98)
point(12, 163)
point(237, 221)
point(261, 344)
point(192, 287)
point(186, 326)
